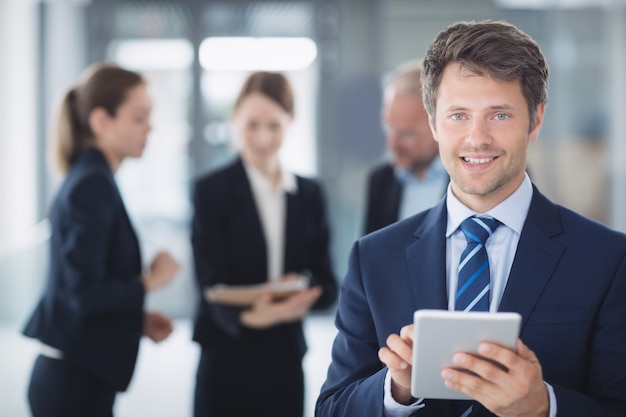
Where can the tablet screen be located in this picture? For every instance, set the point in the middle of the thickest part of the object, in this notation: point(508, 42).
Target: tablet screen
point(441, 333)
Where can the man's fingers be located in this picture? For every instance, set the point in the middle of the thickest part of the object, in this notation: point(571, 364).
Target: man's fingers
point(408, 332)
point(391, 360)
point(402, 347)
point(506, 357)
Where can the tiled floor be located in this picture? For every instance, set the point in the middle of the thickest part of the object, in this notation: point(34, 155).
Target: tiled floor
point(164, 377)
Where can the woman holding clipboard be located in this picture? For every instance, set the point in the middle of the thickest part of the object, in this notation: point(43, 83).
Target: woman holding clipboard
point(255, 222)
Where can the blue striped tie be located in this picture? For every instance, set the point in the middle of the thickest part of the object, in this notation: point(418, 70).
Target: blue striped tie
point(467, 412)
point(474, 281)
point(474, 275)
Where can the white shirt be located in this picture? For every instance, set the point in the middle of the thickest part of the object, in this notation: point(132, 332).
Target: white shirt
point(419, 194)
point(501, 248)
point(271, 203)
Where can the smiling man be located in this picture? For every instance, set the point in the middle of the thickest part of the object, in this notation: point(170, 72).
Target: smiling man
point(483, 128)
point(485, 91)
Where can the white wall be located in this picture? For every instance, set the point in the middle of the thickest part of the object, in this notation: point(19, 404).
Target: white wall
point(616, 33)
point(18, 158)
point(18, 189)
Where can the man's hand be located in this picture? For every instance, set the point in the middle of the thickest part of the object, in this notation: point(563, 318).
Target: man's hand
point(509, 384)
point(397, 355)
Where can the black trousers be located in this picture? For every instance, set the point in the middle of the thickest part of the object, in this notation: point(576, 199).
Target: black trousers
point(59, 389)
point(249, 382)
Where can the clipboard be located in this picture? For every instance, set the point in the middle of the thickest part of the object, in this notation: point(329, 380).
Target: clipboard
point(245, 295)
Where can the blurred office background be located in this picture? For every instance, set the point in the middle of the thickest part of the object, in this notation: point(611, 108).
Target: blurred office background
point(196, 54)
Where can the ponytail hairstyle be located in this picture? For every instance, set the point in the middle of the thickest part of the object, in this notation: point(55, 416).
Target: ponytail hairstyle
point(101, 86)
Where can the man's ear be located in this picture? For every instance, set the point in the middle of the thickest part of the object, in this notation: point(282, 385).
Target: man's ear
point(541, 111)
point(431, 123)
point(98, 120)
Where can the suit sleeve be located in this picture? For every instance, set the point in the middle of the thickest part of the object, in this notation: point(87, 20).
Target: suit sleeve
point(355, 380)
point(209, 252)
point(90, 212)
point(354, 384)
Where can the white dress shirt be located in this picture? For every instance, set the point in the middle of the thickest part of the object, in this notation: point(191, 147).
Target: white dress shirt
point(501, 248)
point(271, 203)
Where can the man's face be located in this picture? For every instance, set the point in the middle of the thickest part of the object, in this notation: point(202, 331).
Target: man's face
point(408, 134)
point(482, 127)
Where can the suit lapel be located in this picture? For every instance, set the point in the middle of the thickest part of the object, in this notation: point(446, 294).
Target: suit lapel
point(427, 262)
point(294, 232)
point(94, 157)
point(536, 257)
point(246, 197)
point(248, 216)
point(535, 260)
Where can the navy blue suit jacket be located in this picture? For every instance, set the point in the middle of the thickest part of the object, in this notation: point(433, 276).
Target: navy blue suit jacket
point(568, 281)
point(229, 248)
point(92, 307)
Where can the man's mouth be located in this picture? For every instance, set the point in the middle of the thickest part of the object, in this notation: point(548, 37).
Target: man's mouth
point(477, 160)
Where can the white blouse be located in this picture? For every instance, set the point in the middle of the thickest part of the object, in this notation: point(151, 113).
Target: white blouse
point(271, 203)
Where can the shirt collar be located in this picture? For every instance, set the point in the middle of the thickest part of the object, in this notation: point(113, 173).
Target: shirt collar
point(511, 212)
point(288, 183)
point(435, 170)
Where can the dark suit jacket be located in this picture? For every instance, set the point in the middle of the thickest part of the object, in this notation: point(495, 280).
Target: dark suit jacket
point(384, 193)
point(229, 247)
point(92, 307)
point(568, 281)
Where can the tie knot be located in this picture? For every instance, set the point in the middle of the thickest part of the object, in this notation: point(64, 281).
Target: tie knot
point(478, 229)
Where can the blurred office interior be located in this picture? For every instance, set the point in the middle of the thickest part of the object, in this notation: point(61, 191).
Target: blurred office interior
point(195, 54)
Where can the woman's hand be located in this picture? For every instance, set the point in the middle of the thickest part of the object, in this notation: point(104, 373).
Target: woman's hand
point(265, 312)
point(156, 326)
point(162, 271)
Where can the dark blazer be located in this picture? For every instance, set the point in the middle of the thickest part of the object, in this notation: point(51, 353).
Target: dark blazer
point(92, 306)
point(384, 194)
point(568, 281)
point(229, 247)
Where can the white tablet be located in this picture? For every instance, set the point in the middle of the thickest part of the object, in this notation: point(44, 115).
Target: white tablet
point(441, 333)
